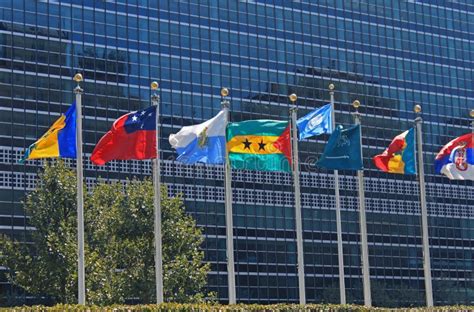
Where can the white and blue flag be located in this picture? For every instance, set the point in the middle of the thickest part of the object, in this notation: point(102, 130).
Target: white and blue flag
point(203, 143)
point(315, 123)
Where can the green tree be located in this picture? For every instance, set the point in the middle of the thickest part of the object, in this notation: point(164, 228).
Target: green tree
point(119, 243)
point(123, 229)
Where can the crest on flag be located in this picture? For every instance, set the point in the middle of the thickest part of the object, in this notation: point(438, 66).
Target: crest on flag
point(344, 141)
point(315, 123)
point(203, 138)
point(456, 159)
point(343, 150)
point(460, 156)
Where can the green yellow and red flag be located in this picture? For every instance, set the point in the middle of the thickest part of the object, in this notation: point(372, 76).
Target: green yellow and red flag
point(262, 145)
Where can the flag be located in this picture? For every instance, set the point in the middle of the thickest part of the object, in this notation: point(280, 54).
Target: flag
point(315, 123)
point(58, 141)
point(456, 159)
point(343, 150)
point(262, 145)
point(204, 142)
point(132, 136)
point(399, 157)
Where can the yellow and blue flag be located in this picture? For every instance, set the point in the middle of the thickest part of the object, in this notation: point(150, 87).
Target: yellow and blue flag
point(58, 141)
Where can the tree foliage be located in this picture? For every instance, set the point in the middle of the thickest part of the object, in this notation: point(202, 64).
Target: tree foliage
point(119, 243)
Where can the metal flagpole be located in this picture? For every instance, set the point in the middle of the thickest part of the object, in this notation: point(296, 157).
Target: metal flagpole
point(340, 250)
point(298, 218)
point(81, 287)
point(228, 209)
point(363, 222)
point(424, 210)
point(471, 113)
point(155, 100)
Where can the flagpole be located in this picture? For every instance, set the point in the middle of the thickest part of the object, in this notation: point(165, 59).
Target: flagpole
point(155, 101)
point(471, 113)
point(363, 222)
point(340, 250)
point(81, 288)
point(424, 209)
point(228, 209)
point(298, 218)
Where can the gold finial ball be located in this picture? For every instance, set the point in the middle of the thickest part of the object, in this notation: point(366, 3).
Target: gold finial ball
point(293, 97)
point(154, 85)
point(331, 86)
point(356, 104)
point(417, 108)
point(224, 92)
point(471, 113)
point(78, 77)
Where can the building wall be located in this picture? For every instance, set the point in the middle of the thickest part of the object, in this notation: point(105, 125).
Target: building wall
point(388, 54)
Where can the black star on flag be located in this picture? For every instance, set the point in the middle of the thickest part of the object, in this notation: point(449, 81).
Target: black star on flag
point(261, 145)
point(247, 143)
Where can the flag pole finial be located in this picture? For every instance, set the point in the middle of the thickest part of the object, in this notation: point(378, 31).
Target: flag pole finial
point(78, 77)
point(331, 87)
point(471, 113)
point(224, 92)
point(225, 103)
point(417, 108)
point(356, 104)
point(155, 98)
point(293, 97)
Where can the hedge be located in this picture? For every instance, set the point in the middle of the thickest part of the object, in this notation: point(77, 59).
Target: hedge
point(175, 307)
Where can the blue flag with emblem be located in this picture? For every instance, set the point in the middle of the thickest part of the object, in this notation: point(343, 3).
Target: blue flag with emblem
point(204, 143)
point(315, 123)
point(343, 150)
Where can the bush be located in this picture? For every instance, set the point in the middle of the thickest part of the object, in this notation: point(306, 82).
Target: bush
point(176, 307)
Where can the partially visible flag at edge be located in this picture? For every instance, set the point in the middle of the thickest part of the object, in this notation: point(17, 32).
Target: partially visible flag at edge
point(58, 141)
point(203, 143)
point(315, 123)
point(132, 136)
point(456, 159)
point(343, 150)
point(399, 157)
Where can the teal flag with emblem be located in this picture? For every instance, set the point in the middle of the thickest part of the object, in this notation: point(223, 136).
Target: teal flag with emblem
point(343, 150)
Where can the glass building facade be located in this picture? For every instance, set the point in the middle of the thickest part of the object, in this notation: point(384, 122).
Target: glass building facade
point(389, 54)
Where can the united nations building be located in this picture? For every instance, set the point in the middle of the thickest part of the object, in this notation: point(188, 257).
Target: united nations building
point(389, 55)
